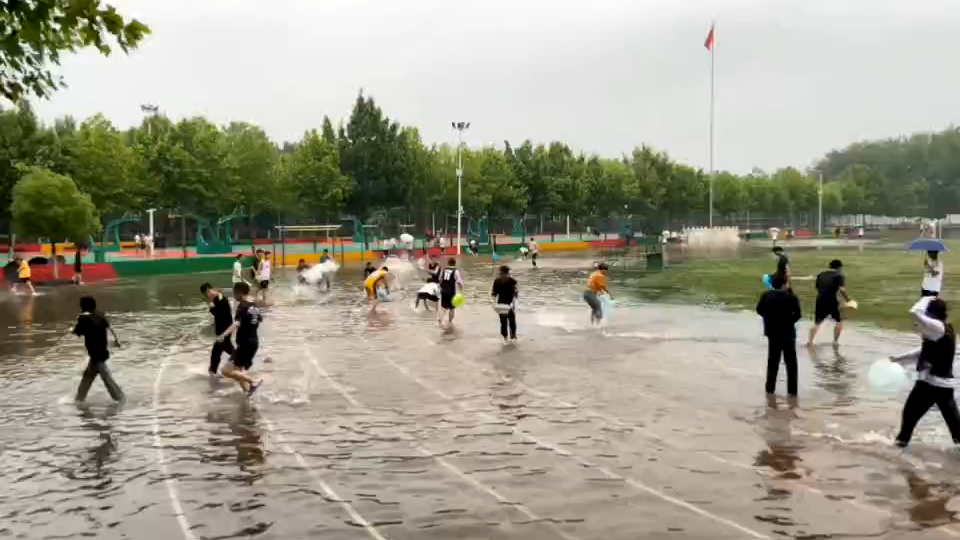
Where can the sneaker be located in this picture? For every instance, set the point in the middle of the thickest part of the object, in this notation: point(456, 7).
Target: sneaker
point(254, 387)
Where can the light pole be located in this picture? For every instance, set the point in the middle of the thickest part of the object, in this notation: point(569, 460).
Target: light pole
point(149, 109)
point(820, 207)
point(460, 127)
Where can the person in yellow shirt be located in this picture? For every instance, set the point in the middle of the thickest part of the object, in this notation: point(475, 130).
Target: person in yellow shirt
point(597, 285)
point(24, 275)
point(373, 282)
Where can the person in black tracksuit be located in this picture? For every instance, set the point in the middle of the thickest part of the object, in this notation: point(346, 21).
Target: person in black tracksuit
point(935, 384)
point(780, 310)
point(505, 293)
point(222, 319)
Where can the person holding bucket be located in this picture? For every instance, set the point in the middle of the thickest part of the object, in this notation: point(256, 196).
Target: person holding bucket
point(505, 295)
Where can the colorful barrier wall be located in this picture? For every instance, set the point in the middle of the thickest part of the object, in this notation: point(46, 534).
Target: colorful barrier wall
point(351, 254)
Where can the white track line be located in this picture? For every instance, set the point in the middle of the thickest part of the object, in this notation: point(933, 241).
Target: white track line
point(171, 483)
point(324, 487)
point(426, 453)
point(603, 470)
point(616, 422)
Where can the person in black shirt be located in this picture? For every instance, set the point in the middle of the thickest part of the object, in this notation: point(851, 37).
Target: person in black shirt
point(368, 269)
point(780, 311)
point(222, 319)
point(505, 295)
point(433, 269)
point(255, 265)
point(830, 283)
point(93, 326)
point(783, 264)
point(245, 325)
point(450, 285)
point(935, 383)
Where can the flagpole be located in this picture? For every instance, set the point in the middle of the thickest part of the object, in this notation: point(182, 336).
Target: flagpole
point(713, 48)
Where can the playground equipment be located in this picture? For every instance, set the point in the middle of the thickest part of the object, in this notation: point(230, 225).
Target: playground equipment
point(220, 240)
point(478, 228)
point(327, 229)
point(112, 230)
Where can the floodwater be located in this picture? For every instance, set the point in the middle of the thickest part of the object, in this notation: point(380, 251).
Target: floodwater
point(384, 427)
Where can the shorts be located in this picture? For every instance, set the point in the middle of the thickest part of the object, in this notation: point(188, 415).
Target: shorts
point(25, 280)
point(590, 297)
point(265, 284)
point(925, 293)
point(446, 299)
point(827, 309)
point(242, 357)
point(371, 293)
point(534, 255)
point(427, 297)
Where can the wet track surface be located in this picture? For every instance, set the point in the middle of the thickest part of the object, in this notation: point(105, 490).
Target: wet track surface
point(385, 427)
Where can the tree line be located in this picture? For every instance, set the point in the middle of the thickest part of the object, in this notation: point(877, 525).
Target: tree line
point(369, 165)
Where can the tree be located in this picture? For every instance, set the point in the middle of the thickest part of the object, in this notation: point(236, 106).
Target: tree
point(312, 173)
point(34, 33)
point(49, 205)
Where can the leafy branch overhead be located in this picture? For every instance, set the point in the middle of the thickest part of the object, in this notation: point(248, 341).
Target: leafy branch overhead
point(34, 34)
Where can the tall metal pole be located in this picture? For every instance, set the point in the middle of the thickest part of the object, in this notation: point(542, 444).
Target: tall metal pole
point(460, 127)
point(713, 49)
point(820, 207)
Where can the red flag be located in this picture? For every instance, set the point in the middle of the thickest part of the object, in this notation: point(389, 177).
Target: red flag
point(710, 37)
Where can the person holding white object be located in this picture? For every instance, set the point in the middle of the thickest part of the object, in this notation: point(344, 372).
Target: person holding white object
point(935, 383)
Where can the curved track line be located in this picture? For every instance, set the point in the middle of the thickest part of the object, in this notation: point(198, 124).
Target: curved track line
point(442, 462)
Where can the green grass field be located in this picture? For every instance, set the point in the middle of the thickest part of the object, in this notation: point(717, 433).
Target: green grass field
point(884, 281)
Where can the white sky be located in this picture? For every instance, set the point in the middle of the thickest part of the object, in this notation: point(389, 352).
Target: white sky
point(794, 78)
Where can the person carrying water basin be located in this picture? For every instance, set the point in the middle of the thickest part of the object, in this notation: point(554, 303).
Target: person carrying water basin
point(780, 310)
point(92, 326)
point(935, 384)
point(372, 284)
point(596, 286)
point(505, 293)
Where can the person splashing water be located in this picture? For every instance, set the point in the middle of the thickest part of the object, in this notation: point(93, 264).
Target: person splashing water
point(597, 285)
point(246, 327)
point(373, 283)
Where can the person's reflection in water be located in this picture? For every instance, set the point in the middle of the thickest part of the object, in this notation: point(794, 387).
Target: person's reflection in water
point(930, 501)
point(781, 452)
point(833, 376)
point(98, 455)
point(243, 419)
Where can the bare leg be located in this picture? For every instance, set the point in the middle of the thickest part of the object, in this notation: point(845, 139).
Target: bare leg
point(837, 330)
point(813, 333)
point(232, 372)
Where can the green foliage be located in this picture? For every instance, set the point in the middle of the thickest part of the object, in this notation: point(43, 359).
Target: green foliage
point(34, 33)
point(49, 205)
point(370, 163)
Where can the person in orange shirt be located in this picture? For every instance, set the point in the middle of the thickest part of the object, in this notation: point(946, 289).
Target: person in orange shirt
point(24, 275)
point(597, 285)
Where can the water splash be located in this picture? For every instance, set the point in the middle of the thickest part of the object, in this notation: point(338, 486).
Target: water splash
point(324, 270)
point(402, 273)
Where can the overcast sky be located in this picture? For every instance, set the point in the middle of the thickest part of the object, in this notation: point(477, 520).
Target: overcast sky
point(794, 79)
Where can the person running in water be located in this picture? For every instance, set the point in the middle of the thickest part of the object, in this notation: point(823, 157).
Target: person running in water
point(597, 285)
point(505, 294)
point(255, 267)
point(830, 283)
point(265, 274)
point(246, 326)
point(780, 311)
point(222, 320)
point(238, 269)
point(92, 326)
point(451, 284)
point(302, 267)
point(935, 384)
point(534, 251)
point(24, 276)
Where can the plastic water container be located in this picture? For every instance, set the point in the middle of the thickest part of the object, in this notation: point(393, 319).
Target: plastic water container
point(887, 377)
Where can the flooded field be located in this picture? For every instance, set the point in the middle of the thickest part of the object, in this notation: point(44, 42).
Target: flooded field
point(385, 427)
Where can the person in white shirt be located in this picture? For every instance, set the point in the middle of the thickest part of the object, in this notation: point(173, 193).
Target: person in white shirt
point(264, 275)
point(136, 242)
point(932, 275)
point(428, 293)
point(238, 269)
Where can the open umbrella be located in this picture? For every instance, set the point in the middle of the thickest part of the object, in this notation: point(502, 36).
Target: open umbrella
point(927, 244)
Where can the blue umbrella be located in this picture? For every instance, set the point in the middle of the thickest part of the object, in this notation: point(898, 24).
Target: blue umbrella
point(927, 244)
